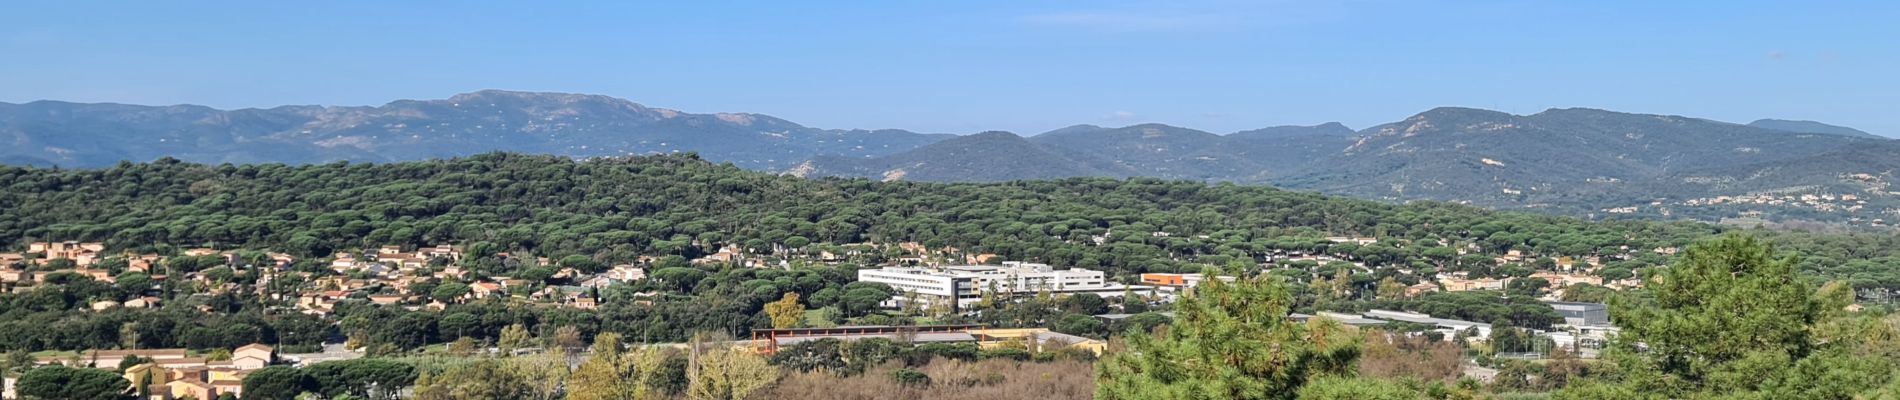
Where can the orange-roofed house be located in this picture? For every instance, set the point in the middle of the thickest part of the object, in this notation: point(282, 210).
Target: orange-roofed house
point(485, 289)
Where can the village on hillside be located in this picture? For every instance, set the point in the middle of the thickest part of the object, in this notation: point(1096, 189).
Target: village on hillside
point(925, 281)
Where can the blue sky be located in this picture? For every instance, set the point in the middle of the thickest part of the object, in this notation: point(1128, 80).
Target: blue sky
point(962, 67)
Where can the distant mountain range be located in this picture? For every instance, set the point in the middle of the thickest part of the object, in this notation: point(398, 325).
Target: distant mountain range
point(91, 135)
point(1571, 161)
point(1554, 158)
point(1151, 150)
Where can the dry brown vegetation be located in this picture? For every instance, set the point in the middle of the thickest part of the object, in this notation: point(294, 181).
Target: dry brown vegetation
point(1390, 355)
point(949, 379)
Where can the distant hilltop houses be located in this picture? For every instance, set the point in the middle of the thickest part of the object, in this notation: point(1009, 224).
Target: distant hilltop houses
point(81, 253)
point(389, 275)
point(47, 259)
point(63, 257)
point(934, 278)
point(1855, 208)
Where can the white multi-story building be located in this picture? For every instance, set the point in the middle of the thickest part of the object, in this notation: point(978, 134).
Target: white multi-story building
point(965, 284)
point(926, 283)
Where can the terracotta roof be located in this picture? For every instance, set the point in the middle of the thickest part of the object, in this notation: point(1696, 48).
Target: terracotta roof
point(118, 354)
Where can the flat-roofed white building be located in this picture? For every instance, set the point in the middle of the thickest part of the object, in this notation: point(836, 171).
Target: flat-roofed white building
point(1452, 326)
point(965, 284)
point(1018, 277)
point(926, 282)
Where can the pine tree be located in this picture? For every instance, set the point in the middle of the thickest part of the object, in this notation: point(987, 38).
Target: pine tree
point(1729, 319)
point(512, 337)
point(1229, 341)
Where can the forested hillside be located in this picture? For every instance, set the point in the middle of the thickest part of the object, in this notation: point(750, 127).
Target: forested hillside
point(615, 210)
point(1566, 160)
point(544, 222)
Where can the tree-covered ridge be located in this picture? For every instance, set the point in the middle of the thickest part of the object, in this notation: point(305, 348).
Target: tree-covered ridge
point(1298, 252)
point(614, 210)
point(537, 203)
point(1578, 162)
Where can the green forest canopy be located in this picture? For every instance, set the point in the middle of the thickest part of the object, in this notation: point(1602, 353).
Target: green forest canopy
point(617, 209)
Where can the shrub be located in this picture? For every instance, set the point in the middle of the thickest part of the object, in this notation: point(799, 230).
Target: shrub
point(910, 377)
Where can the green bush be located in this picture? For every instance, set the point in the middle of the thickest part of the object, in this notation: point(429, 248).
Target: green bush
point(910, 377)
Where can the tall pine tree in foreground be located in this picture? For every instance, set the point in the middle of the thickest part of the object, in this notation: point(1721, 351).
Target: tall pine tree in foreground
point(1229, 341)
point(1730, 319)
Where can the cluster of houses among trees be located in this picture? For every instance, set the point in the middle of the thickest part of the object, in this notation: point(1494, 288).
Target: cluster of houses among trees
point(665, 249)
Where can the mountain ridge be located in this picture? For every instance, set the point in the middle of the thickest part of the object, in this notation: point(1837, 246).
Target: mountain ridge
point(1811, 127)
point(1572, 160)
point(580, 125)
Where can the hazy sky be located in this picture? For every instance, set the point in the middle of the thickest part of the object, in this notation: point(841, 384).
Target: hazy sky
point(961, 67)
